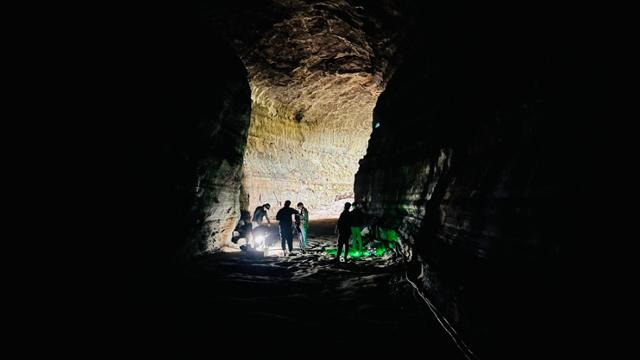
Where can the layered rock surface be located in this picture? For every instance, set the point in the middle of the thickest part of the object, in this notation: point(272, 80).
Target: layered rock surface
point(476, 167)
point(316, 70)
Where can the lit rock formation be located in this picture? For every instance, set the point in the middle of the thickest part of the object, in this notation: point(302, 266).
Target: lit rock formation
point(316, 70)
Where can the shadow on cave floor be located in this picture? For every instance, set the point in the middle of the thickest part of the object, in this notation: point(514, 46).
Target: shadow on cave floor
point(304, 303)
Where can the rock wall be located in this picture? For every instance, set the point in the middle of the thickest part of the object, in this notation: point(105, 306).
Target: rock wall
point(215, 146)
point(287, 159)
point(195, 138)
point(477, 165)
point(316, 69)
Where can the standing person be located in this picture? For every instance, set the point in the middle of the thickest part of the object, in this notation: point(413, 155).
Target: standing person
point(357, 222)
point(344, 231)
point(286, 226)
point(302, 222)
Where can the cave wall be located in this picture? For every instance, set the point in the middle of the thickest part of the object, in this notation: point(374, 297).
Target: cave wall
point(479, 164)
point(301, 161)
point(194, 134)
point(213, 135)
point(316, 69)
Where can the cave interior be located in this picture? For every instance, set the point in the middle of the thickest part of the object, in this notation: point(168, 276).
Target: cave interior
point(461, 133)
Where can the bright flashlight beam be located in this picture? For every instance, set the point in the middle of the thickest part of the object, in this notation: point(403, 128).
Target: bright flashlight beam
point(259, 241)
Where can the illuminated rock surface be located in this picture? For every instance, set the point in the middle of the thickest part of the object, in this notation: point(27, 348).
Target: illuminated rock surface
point(316, 70)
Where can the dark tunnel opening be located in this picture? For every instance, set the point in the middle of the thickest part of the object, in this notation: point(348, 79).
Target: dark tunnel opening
point(475, 160)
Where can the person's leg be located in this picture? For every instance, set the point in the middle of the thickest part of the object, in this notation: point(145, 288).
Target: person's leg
point(282, 238)
point(303, 238)
point(346, 247)
point(290, 240)
point(297, 232)
point(340, 242)
point(251, 236)
point(357, 238)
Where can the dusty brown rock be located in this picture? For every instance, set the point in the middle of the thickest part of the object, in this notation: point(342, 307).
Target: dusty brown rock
point(316, 70)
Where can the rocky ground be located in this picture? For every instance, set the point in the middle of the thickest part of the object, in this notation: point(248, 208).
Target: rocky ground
point(306, 302)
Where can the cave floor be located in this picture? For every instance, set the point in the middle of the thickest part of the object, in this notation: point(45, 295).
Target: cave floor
point(306, 302)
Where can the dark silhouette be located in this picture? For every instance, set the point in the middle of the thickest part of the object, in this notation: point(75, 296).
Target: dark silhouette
point(244, 225)
point(256, 222)
point(286, 225)
point(344, 231)
point(259, 213)
point(357, 220)
point(302, 225)
point(357, 214)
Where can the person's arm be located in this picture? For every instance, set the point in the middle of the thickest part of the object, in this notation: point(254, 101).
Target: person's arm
point(267, 217)
point(296, 216)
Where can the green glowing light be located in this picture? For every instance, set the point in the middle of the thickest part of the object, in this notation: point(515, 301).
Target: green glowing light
point(355, 253)
point(384, 241)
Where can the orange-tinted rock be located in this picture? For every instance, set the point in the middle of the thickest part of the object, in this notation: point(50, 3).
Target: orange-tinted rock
point(316, 70)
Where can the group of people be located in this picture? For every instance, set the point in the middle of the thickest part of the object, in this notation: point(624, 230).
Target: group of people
point(286, 217)
point(349, 226)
